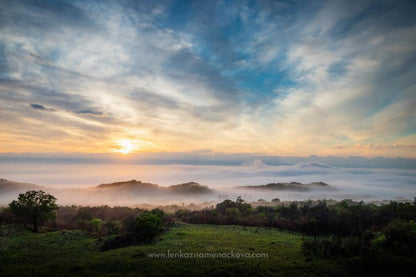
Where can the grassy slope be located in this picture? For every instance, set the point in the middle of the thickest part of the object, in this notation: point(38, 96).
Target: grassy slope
point(75, 253)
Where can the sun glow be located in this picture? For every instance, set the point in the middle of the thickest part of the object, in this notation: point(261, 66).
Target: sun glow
point(126, 146)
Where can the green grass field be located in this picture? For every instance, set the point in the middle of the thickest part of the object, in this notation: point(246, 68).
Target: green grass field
point(76, 253)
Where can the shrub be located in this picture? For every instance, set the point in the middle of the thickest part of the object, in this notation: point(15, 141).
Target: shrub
point(147, 226)
point(142, 228)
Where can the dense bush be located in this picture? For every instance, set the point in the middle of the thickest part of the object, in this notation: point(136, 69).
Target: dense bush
point(142, 228)
point(400, 237)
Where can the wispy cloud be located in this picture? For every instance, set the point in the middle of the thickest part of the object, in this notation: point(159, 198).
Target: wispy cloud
point(41, 107)
point(91, 113)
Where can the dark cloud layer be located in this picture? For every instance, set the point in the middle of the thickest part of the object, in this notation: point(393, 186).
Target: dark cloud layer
point(210, 158)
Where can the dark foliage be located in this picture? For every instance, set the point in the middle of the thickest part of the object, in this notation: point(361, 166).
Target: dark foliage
point(34, 207)
point(391, 251)
point(316, 218)
point(140, 229)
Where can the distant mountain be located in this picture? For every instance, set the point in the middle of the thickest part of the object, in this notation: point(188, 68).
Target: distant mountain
point(7, 186)
point(293, 186)
point(139, 186)
point(130, 185)
point(190, 188)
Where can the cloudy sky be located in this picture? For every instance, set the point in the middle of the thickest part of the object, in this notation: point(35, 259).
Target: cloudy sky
point(270, 77)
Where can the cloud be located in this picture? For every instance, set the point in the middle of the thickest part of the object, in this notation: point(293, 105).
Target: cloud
point(91, 113)
point(186, 76)
point(41, 107)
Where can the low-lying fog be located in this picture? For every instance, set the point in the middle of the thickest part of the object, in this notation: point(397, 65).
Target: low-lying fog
point(73, 183)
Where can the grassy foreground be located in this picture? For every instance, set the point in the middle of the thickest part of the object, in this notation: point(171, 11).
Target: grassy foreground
point(76, 253)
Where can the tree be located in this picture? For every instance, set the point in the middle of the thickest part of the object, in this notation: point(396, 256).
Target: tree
point(221, 207)
point(34, 207)
point(243, 207)
point(96, 224)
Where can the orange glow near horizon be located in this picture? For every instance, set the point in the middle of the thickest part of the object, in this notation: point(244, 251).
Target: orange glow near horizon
point(126, 146)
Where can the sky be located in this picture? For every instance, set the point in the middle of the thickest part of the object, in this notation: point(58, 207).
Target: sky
point(287, 78)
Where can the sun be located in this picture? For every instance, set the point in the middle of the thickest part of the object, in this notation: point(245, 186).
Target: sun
point(126, 146)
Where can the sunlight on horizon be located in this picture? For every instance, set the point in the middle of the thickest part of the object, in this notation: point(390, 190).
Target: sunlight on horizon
point(126, 146)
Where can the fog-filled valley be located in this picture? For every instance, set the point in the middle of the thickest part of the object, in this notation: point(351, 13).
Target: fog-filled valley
point(138, 184)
